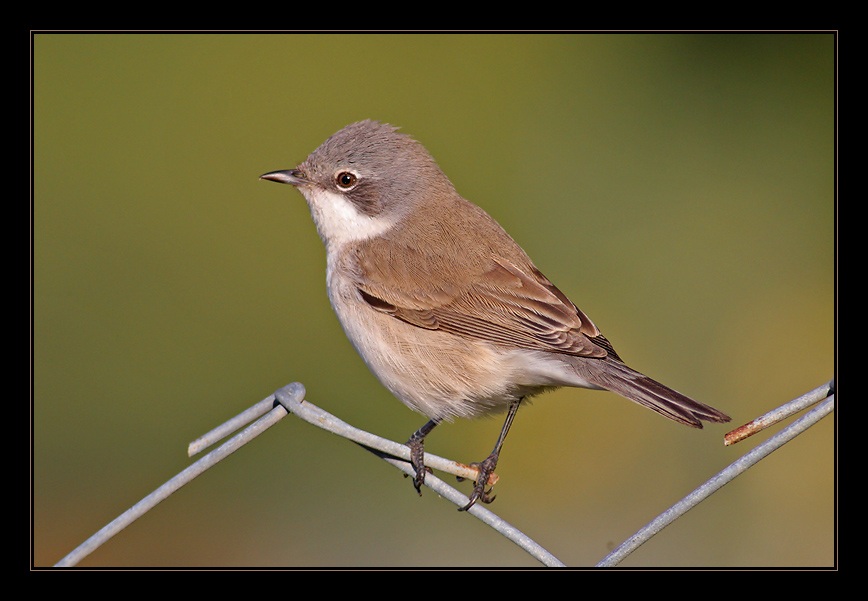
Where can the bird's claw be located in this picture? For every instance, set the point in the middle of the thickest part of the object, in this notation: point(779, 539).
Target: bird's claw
point(484, 470)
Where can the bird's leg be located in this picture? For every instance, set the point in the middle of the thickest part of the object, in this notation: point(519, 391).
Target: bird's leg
point(486, 467)
point(417, 453)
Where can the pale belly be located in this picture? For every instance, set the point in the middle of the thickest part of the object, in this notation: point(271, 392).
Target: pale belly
point(438, 374)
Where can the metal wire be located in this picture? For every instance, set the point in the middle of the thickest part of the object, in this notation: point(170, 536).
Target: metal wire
point(291, 399)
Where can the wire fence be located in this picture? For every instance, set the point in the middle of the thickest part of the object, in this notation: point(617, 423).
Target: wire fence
point(291, 400)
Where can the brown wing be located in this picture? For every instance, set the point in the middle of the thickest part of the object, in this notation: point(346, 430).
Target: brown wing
point(503, 304)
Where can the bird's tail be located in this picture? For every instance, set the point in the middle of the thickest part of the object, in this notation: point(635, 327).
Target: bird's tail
point(639, 388)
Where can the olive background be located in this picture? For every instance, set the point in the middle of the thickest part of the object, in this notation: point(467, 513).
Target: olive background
point(678, 187)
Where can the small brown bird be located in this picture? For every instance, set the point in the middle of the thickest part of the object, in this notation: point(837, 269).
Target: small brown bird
point(444, 307)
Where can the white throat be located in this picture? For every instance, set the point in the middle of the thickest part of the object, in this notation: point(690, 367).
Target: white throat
point(339, 222)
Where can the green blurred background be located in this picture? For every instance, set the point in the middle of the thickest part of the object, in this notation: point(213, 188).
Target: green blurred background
point(679, 188)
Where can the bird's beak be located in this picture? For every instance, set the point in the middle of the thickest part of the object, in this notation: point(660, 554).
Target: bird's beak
point(290, 176)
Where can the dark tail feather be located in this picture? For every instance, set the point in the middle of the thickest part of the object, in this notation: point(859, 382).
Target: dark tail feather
point(652, 394)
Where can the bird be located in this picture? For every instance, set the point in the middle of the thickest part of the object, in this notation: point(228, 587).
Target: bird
point(442, 304)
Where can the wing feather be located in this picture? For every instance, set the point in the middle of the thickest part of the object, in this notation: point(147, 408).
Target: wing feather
point(504, 305)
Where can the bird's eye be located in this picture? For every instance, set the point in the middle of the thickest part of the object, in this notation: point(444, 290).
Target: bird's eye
point(346, 180)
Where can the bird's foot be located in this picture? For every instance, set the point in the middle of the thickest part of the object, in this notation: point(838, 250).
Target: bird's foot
point(484, 470)
point(417, 460)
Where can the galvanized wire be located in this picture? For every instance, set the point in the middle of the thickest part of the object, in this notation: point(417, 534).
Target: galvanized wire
point(291, 399)
point(732, 471)
point(182, 478)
